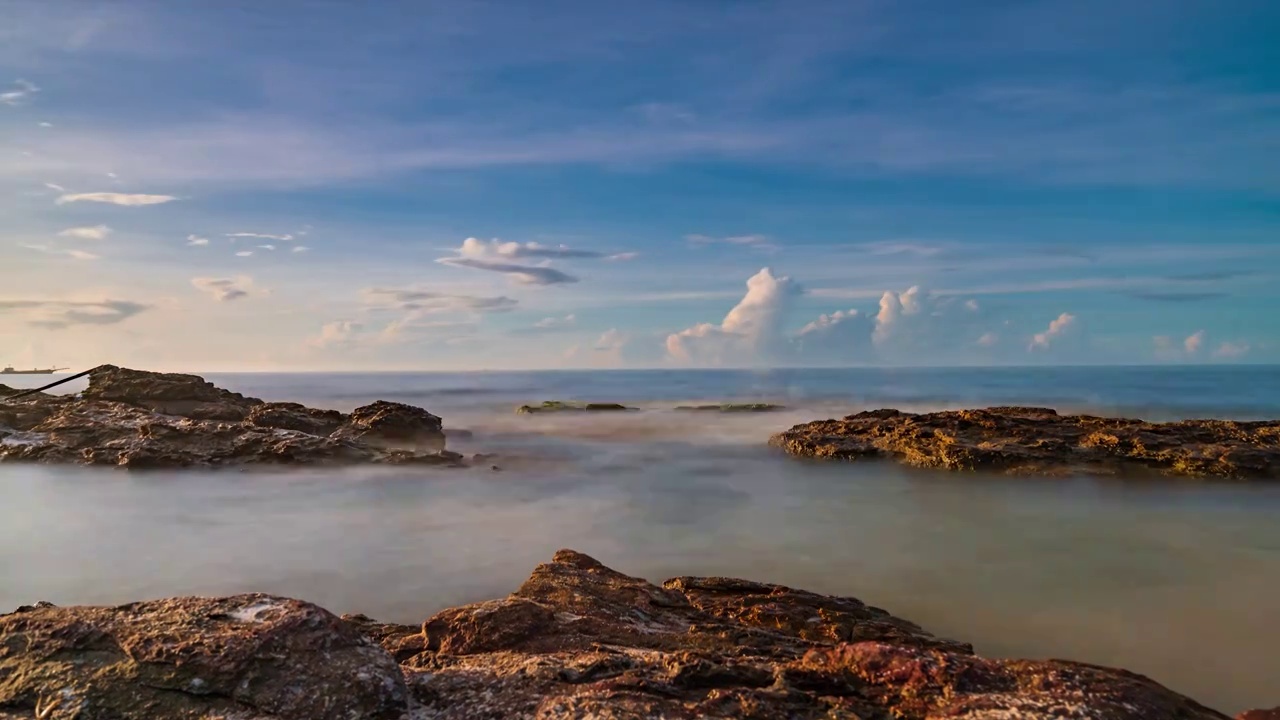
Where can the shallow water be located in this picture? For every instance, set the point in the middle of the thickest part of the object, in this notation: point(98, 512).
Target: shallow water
point(1177, 580)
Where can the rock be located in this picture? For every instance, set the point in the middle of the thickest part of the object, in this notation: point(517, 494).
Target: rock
point(393, 426)
point(167, 421)
point(458, 434)
point(558, 406)
point(295, 416)
point(247, 656)
point(1040, 441)
point(170, 393)
point(732, 407)
point(1272, 714)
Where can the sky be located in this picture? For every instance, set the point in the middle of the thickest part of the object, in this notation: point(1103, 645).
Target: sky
point(332, 185)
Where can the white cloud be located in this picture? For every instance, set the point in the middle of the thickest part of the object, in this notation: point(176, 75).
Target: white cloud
point(971, 305)
point(1193, 342)
point(197, 241)
point(60, 314)
point(338, 332)
point(97, 232)
point(224, 289)
point(617, 257)
point(524, 274)
point(55, 187)
point(245, 253)
point(1231, 350)
point(268, 246)
point(413, 324)
point(23, 89)
point(300, 248)
point(556, 323)
point(45, 124)
point(481, 249)
point(988, 339)
point(125, 199)
point(71, 253)
point(259, 236)
point(1059, 326)
point(426, 301)
point(751, 331)
point(843, 336)
point(893, 308)
point(758, 242)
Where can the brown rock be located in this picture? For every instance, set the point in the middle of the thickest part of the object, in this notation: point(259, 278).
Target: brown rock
point(170, 393)
point(1272, 714)
point(394, 426)
point(295, 416)
point(1038, 440)
point(247, 656)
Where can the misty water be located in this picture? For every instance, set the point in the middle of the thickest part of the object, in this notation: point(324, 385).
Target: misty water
point(1171, 578)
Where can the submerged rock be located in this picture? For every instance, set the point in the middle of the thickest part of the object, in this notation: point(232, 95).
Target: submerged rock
point(576, 640)
point(558, 406)
point(178, 420)
point(1039, 440)
point(732, 407)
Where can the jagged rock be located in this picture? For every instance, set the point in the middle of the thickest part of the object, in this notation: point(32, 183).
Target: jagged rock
point(1272, 714)
point(170, 393)
point(150, 432)
point(247, 656)
point(1039, 440)
point(295, 416)
point(732, 407)
point(393, 426)
point(558, 406)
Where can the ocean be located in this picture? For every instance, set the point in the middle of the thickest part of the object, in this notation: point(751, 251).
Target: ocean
point(1174, 579)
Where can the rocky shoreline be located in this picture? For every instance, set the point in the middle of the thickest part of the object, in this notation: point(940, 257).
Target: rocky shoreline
point(137, 419)
point(1039, 441)
point(576, 640)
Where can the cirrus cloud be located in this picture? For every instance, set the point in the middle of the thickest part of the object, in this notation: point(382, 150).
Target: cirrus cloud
point(97, 232)
point(112, 198)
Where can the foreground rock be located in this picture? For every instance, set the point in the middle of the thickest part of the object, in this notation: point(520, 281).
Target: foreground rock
point(577, 640)
point(137, 419)
point(1039, 440)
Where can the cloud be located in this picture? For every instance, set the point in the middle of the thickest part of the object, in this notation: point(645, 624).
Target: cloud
point(556, 323)
point(481, 249)
point(1231, 350)
point(609, 350)
point(525, 274)
point(268, 246)
point(897, 247)
point(224, 289)
point(22, 90)
point(338, 332)
point(893, 308)
point(126, 199)
point(751, 331)
point(97, 232)
point(972, 305)
point(616, 257)
point(1193, 342)
point(245, 253)
point(197, 241)
point(60, 314)
point(45, 124)
point(988, 339)
point(55, 187)
point(300, 248)
point(1059, 326)
point(259, 236)
point(841, 337)
point(758, 242)
point(1175, 296)
point(426, 301)
point(414, 325)
point(71, 253)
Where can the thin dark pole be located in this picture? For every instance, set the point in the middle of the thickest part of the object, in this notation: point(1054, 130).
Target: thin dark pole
point(25, 393)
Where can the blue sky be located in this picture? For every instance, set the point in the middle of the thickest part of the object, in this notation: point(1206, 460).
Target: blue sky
point(325, 184)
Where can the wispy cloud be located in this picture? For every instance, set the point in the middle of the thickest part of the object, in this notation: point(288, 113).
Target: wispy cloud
point(481, 249)
point(300, 249)
point(338, 332)
point(267, 246)
point(414, 299)
point(1176, 297)
point(126, 199)
point(224, 289)
point(22, 90)
point(259, 236)
point(1059, 326)
point(55, 187)
point(197, 241)
point(244, 253)
point(61, 314)
point(525, 274)
point(622, 257)
point(69, 252)
point(96, 232)
point(550, 325)
point(757, 242)
point(1231, 350)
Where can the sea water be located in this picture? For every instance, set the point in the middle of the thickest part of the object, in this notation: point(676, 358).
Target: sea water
point(1175, 579)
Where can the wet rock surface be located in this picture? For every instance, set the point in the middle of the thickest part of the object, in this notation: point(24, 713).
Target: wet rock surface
point(576, 640)
point(551, 406)
point(136, 419)
point(1040, 441)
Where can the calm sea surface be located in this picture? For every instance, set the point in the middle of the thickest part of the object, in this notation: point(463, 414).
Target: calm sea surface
point(1178, 580)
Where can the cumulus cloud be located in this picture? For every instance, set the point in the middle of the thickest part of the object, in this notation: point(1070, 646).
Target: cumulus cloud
point(126, 199)
point(751, 330)
point(61, 314)
point(894, 307)
point(841, 336)
point(525, 274)
point(197, 241)
point(338, 332)
point(71, 253)
point(224, 289)
point(426, 301)
point(1058, 327)
point(481, 249)
point(1193, 342)
point(1231, 350)
point(97, 232)
point(260, 236)
point(22, 90)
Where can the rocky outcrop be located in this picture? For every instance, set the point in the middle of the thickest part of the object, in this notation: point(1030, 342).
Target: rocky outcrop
point(731, 408)
point(1272, 714)
point(551, 406)
point(1040, 441)
point(136, 419)
point(577, 640)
